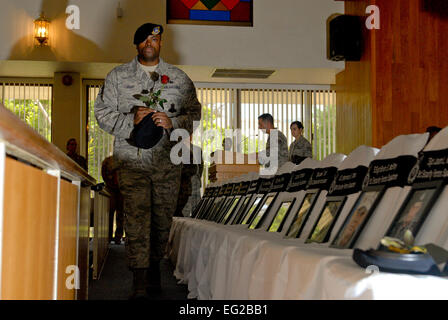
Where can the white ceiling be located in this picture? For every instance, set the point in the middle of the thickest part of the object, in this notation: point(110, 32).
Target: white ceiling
point(46, 69)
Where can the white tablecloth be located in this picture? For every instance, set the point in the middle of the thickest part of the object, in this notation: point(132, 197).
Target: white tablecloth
point(231, 262)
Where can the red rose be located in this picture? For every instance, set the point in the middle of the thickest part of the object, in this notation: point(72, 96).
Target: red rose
point(165, 79)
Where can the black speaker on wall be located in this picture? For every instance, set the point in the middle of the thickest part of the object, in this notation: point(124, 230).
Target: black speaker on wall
point(344, 38)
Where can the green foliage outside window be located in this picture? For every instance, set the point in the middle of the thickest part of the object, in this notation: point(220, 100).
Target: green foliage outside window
point(36, 113)
point(100, 144)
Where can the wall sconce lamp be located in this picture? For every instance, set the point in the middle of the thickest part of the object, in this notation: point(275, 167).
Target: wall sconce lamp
point(41, 28)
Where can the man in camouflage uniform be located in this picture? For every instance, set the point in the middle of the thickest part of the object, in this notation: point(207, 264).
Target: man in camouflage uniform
point(300, 148)
point(190, 186)
point(266, 122)
point(148, 180)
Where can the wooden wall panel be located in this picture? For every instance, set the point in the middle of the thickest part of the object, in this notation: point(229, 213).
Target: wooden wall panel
point(67, 237)
point(411, 69)
point(353, 94)
point(101, 233)
point(83, 257)
point(404, 70)
point(29, 232)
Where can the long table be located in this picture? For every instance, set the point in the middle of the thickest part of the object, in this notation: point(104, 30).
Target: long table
point(231, 262)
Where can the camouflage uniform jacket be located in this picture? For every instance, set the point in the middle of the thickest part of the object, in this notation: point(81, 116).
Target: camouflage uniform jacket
point(115, 101)
point(282, 147)
point(301, 148)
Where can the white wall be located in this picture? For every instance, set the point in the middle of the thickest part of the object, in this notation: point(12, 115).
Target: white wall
point(286, 34)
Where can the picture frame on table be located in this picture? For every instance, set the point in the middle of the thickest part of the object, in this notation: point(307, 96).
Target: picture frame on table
point(358, 217)
point(198, 208)
point(301, 216)
point(218, 214)
point(202, 213)
point(263, 209)
point(320, 233)
point(237, 215)
point(228, 213)
point(216, 205)
point(227, 202)
point(415, 209)
point(281, 215)
point(251, 209)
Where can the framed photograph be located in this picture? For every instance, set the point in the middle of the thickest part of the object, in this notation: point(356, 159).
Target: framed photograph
point(258, 219)
point(327, 217)
point(224, 208)
point(281, 215)
point(210, 12)
point(248, 213)
point(302, 214)
point(205, 208)
point(358, 217)
point(198, 208)
point(216, 206)
point(236, 219)
point(219, 209)
point(415, 209)
point(229, 211)
point(208, 207)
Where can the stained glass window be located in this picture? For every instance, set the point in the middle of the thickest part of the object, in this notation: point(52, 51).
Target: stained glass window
point(221, 12)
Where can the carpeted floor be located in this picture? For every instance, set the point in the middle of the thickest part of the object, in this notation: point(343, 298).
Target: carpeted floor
point(115, 282)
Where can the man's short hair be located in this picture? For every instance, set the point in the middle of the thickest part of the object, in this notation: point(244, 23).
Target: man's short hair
point(267, 117)
point(297, 123)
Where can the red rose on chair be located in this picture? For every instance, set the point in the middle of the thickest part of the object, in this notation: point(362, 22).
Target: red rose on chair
point(165, 79)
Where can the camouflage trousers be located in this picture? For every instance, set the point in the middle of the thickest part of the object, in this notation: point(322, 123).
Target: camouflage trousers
point(150, 199)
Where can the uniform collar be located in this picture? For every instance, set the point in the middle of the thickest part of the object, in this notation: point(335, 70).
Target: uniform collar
point(142, 75)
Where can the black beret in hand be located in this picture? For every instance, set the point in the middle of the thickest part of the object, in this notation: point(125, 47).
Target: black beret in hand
point(146, 134)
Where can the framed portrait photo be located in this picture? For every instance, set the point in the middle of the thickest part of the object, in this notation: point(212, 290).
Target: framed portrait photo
point(301, 216)
point(198, 208)
point(236, 217)
point(226, 202)
point(230, 209)
point(415, 209)
point(216, 205)
point(265, 206)
point(248, 213)
point(281, 215)
point(327, 217)
point(357, 218)
point(205, 207)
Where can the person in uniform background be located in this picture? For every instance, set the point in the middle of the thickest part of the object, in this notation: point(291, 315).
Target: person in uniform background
point(190, 186)
point(227, 144)
point(300, 148)
point(266, 122)
point(109, 172)
point(148, 180)
point(72, 145)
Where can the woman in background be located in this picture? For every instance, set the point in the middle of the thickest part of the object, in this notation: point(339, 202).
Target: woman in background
point(300, 148)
